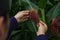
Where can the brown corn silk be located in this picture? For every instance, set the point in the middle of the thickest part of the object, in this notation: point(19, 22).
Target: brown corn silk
point(54, 26)
point(34, 16)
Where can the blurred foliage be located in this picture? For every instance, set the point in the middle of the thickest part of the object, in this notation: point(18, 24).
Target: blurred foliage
point(47, 10)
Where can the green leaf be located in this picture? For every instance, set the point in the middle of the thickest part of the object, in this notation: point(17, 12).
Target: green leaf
point(42, 3)
point(31, 26)
point(54, 12)
point(10, 4)
point(28, 5)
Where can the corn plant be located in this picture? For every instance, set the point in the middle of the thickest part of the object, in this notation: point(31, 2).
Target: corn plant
point(46, 10)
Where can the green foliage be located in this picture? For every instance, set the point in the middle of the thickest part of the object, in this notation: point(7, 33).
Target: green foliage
point(54, 12)
point(48, 10)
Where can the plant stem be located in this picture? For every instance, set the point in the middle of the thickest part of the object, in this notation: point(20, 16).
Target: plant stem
point(43, 14)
